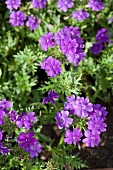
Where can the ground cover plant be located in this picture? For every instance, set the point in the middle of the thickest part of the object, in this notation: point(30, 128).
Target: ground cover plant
point(56, 62)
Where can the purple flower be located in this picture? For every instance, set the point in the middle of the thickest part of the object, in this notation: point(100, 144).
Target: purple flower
point(39, 3)
point(17, 18)
point(80, 15)
point(3, 150)
point(98, 111)
point(83, 107)
point(13, 4)
point(29, 143)
point(96, 48)
point(102, 35)
point(50, 97)
point(92, 139)
point(32, 22)
point(79, 106)
point(26, 120)
point(65, 4)
point(26, 139)
point(4, 104)
point(95, 5)
point(47, 41)
point(71, 44)
point(69, 105)
point(52, 66)
point(97, 125)
point(13, 116)
point(73, 137)
point(34, 149)
point(63, 121)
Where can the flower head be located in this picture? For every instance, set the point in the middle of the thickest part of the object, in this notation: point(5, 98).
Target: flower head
point(52, 66)
point(65, 4)
point(80, 15)
point(47, 41)
point(50, 97)
point(13, 4)
point(96, 5)
point(26, 120)
point(39, 3)
point(96, 48)
point(92, 139)
point(63, 121)
point(102, 35)
point(71, 44)
point(32, 22)
point(17, 18)
point(29, 143)
point(73, 136)
point(26, 139)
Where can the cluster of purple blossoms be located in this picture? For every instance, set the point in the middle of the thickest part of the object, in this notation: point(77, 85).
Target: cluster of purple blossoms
point(101, 37)
point(17, 18)
point(96, 48)
point(96, 125)
point(63, 121)
point(65, 4)
point(69, 41)
point(26, 120)
point(39, 3)
point(80, 15)
point(96, 5)
point(26, 140)
point(47, 41)
point(71, 44)
point(79, 106)
point(29, 143)
point(50, 97)
point(32, 22)
point(73, 136)
point(4, 106)
point(13, 4)
point(94, 115)
point(52, 66)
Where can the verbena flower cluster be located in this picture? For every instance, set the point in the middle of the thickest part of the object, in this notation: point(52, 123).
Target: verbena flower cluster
point(50, 98)
point(80, 15)
point(65, 4)
point(46, 41)
point(18, 18)
point(69, 41)
point(96, 5)
point(93, 114)
point(52, 66)
point(26, 140)
point(101, 38)
point(39, 3)
point(29, 143)
point(13, 4)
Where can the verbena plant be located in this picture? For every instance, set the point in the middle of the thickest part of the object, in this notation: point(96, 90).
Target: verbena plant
point(55, 61)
